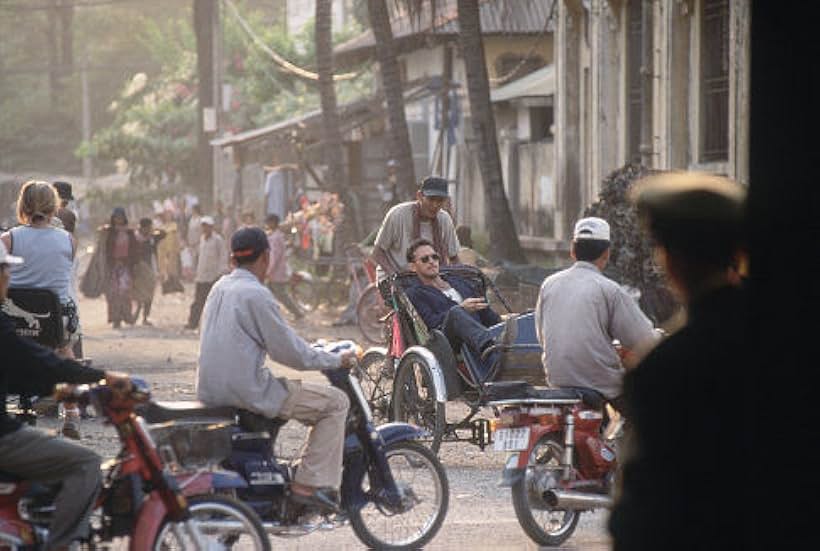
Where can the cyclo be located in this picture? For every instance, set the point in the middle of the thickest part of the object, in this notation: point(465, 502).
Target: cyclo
point(561, 461)
point(417, 373)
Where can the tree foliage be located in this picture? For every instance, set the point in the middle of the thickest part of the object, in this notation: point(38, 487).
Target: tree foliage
point(155, 124)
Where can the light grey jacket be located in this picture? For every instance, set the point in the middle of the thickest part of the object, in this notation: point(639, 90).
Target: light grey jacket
point(241, 323)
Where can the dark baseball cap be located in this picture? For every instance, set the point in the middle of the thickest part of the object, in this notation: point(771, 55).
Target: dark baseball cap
point(434, 186)
point(249, 241)
point(63, 190)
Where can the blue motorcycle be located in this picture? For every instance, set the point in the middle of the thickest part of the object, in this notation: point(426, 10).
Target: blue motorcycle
point(394, 490)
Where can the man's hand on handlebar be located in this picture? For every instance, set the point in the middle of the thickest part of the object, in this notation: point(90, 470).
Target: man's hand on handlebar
point(119, 383)
point(349, 359)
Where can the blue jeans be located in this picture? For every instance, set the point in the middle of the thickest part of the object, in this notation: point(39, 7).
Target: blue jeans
point(461, 328)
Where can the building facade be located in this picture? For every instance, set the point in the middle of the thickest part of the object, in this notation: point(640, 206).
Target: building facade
point(661, 82)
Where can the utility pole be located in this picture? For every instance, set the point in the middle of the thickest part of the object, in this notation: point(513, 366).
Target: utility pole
point(86, 114)
point(206, 28)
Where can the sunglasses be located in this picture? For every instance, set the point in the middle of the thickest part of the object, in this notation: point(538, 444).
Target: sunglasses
point(428, 257)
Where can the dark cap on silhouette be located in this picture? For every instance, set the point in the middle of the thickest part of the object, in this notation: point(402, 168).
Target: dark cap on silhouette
point(697, 214)
point(248, 241)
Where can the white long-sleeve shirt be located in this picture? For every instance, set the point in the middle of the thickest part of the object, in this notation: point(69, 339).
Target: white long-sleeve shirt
point(241, 324)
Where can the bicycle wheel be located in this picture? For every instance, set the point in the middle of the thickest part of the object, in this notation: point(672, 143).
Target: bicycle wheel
point(375, 373)
point(369, 311)
point(414, 398)
point(224, 522)
point(425, 492)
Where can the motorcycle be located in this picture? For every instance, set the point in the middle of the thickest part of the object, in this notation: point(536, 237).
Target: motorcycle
point(561, 463)
point(394, 491)
point(139, 498)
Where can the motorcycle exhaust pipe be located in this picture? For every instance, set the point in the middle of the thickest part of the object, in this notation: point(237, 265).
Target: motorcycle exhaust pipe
point(561, 499)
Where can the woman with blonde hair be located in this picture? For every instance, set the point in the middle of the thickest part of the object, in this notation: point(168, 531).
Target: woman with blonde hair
point(49, 257)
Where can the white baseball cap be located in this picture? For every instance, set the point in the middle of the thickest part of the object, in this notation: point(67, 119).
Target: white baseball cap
point(207, 220)
point(6, 258)
point(591, 228)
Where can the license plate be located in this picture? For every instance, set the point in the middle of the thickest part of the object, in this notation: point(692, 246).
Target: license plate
point(509, 440)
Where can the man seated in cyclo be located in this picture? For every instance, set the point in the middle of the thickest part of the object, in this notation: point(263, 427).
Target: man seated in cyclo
point(580, 312)
point(242, 324)
point(451, 304)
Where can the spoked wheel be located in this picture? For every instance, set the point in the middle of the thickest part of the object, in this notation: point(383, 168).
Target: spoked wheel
point(543, 524)
point(425, 497)
point(414, 398)
point(224, 522)
point(370, 310)
point(375, 373)
point(304, 293)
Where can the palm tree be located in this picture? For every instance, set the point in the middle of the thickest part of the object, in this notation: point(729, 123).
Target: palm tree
point(399, 144)
point(504, 242)
point(331, 129)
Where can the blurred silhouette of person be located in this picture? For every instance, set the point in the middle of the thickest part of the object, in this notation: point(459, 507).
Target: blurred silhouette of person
point(145, 271)
point(213, 263)
point(279, 273)
point(682, 396)
point(121, 257)
point(466, 253)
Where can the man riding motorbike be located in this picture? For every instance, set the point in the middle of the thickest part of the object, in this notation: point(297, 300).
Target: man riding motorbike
point(580, 312)
point(34, 455)
point(241, 324)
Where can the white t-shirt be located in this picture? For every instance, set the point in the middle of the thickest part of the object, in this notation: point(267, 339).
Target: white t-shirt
point(454, 295)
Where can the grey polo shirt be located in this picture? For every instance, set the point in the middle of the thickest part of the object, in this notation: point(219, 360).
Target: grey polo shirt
point(578, 314)
point(241, 324)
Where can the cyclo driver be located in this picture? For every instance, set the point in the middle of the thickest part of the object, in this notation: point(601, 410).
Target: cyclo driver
point(242, 324)
point(34, 455)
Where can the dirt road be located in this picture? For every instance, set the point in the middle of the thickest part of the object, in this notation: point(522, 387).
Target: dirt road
point(480, 514)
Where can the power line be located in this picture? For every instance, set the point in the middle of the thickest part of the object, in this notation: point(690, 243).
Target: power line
point(84, 4)
point(278, 59)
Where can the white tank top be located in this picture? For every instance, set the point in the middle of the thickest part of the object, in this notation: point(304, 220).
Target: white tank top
point(47, 259)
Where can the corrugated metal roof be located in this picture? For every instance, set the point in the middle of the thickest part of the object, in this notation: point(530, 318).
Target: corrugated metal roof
point(350, 113)
point(537, 83)
point(497, 17)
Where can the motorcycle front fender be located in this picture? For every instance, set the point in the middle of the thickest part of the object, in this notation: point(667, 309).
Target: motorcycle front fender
point(148, 523)
point(353, 498)
point(399, 432)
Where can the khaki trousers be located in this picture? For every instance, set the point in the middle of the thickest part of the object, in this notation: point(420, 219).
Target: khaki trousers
point(323, 408)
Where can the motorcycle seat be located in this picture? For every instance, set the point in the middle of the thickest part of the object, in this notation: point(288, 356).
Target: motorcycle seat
point(514, 390)
point(162, 412)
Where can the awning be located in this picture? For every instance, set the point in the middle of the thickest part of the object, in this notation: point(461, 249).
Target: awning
point(539, 83)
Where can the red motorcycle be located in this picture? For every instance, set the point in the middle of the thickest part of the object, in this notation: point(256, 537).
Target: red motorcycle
point(561, 463)
point(139, 498)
